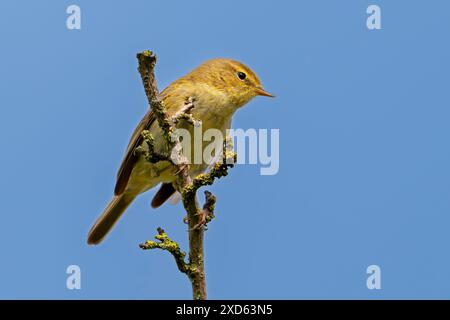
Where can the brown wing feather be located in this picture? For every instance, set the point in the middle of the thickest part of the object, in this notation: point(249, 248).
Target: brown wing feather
point(130, 158)
point(165, 192)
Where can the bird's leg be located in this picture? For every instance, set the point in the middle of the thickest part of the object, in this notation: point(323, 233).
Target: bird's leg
point(207, 213)
point(202, 221)
point(181, 167)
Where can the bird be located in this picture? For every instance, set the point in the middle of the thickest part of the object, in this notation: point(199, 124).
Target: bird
point(219, 88)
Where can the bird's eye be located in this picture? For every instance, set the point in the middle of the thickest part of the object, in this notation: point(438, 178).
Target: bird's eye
point(241, 75)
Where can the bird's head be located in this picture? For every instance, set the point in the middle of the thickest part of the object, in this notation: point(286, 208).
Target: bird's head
point(237, 82)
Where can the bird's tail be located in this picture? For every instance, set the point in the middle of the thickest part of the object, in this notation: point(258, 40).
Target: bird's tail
point(109, 217)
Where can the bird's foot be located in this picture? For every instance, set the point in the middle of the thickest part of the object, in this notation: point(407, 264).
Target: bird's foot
point(205, 216)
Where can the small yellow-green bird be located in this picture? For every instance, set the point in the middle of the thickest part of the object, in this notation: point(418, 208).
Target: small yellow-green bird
point(219, 87)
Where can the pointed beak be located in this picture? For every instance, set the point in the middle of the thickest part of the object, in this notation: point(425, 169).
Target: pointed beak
point(261, 92)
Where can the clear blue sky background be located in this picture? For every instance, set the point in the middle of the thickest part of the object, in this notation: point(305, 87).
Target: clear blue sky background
point(364, 155)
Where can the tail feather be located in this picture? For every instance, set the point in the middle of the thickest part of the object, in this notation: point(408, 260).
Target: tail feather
point(109, 218)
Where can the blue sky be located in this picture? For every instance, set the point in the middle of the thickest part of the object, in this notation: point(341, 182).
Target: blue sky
point(364, 159)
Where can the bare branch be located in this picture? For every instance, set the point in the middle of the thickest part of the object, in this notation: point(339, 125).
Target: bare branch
point(147, 60)
point(184, 114)
point(197, 218)
point(167, 244)
point(219, 170)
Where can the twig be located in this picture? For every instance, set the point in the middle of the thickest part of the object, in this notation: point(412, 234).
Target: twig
point(150, 154)
point(184, 114)
point(209, 206)
point(219, 170)
point(165, 243)
point(147, 61)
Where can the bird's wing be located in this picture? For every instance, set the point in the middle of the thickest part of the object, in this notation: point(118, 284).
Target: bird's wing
point(130, 158)
point(173, 98)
